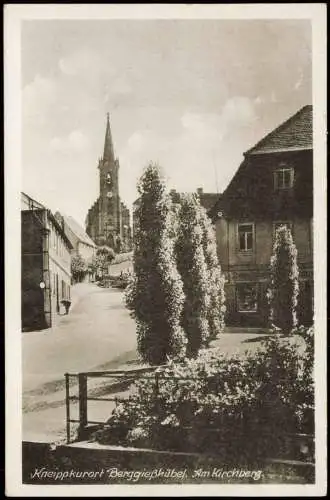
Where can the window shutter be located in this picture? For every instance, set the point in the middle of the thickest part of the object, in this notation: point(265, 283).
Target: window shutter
point(275, 181)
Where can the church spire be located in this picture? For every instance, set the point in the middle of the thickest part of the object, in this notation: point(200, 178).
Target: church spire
point(108, 153)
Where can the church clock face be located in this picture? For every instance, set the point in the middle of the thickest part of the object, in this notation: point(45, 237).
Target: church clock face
point(109, 194)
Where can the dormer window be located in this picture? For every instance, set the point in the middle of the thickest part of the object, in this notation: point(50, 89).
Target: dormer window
point(283, 178)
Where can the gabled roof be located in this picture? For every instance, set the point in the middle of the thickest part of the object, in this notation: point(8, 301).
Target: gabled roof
point(59, 228)
point(296, 133)
point(35, 206)
point(30, 202)
point(208, 200)
point(78, 230)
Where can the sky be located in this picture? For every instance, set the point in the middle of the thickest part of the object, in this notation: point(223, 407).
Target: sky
point(192, 95)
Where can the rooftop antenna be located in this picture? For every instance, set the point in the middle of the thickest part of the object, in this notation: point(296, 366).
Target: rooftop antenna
point(215, 173)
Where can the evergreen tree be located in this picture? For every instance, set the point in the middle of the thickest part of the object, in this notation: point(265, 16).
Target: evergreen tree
point(216, 279)
point(193, 269)
point(155, 293)
point(284, 285)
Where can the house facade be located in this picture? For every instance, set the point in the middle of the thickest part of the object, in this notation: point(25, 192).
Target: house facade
point(273, 186)
point(81, 243)
point(107, 217)
point(46, 265)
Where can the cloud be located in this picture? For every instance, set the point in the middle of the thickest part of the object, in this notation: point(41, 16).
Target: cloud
point(84, 62)
point(190, 156)
point(37, 97)
point(299, 82)
point(76, 141)
point(238, 110)
point(136, 142)
point(273, 97)
point(120, 85)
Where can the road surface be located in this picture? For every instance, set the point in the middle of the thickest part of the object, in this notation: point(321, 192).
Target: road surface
point(97, 334)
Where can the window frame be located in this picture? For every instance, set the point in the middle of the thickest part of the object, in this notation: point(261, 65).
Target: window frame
point(247, 250)
point(240, 284)
point(282, 169)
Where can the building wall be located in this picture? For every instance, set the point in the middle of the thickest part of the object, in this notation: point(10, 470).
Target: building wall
point(230, 255)
point(253, 267)
point(33, 297)
point(107, 217)
point(80, 247)
point(46, 261)
point(251, 198)
point(93, 222)
point(59, 268)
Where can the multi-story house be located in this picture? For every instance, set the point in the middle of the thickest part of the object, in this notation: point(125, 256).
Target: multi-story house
point(82, 244)
point(273, 186)
point(46, 265)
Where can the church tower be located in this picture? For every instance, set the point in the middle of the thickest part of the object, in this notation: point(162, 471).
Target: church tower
point(107, 221)
point(109, 200)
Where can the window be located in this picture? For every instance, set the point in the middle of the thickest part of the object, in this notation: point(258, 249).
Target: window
point(247, 297)
point(283, 178)
point(278, 224)
point(245, 237)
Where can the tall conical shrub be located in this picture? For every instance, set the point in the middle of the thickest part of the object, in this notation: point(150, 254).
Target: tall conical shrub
point(155, 295)
point(216, 280)
point(193, 270)
point(284, 284)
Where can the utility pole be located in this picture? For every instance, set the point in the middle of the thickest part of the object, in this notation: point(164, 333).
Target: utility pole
point(215, 173)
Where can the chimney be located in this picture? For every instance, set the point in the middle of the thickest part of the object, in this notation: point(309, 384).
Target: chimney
point(60, 219)
point(199, 191)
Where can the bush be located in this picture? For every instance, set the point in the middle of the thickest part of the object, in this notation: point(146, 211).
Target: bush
point(79, 268)
point(215, 403)
point(193, 270)
point(284, 286)
point(216, 280)
point(155, 295)
point(104, 256)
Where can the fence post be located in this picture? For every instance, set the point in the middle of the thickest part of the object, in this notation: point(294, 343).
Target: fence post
point(82, 378)
point(67, 406)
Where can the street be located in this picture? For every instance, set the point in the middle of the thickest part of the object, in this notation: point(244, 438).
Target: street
point(97, 334)
point(98, 331)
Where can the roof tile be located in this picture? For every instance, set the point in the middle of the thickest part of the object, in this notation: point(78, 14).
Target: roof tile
point(294, 133)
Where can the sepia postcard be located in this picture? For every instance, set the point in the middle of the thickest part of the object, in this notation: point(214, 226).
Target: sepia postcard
point(165, 229)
